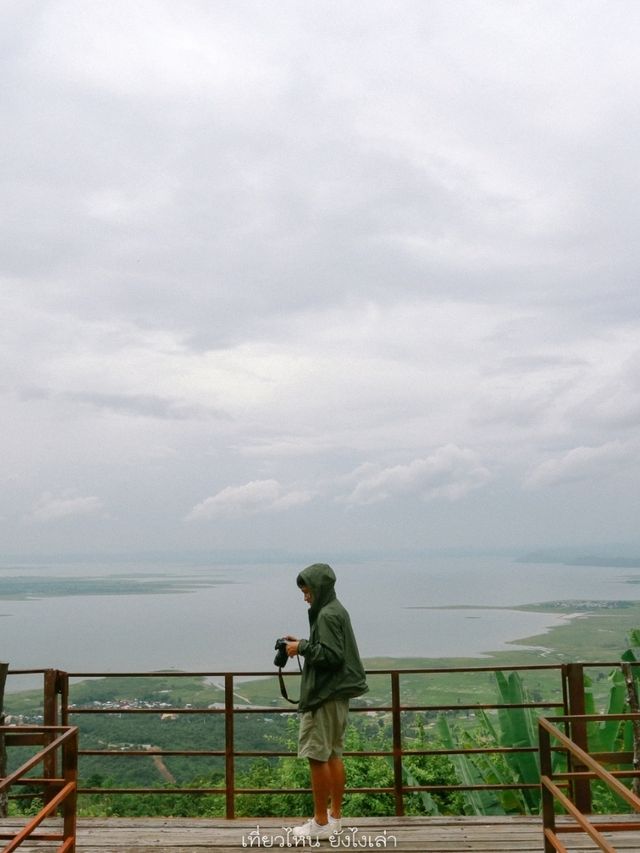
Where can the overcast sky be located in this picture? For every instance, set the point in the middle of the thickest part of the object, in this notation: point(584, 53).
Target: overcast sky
point(319, 275)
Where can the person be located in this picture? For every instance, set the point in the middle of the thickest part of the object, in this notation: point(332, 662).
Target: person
point(331, 675)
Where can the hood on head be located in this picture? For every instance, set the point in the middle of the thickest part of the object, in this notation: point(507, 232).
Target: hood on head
point(320, 579)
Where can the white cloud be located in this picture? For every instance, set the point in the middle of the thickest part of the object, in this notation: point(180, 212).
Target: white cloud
point(450, 472)
point(52, 508)
point(282, 239)
point(583, 463)
point(150, 50)
point(254, 497)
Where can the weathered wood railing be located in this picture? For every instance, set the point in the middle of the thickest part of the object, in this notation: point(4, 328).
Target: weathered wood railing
point(59, 793)
point(585, 767)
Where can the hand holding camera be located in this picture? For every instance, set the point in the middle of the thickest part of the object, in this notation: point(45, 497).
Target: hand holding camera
point(281, 657)
point(286, 647)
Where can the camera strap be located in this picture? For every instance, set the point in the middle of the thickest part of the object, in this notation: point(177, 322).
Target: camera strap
point(283, 689)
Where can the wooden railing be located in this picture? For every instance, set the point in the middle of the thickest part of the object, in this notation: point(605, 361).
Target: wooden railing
point(59, 748)
point(583, 768)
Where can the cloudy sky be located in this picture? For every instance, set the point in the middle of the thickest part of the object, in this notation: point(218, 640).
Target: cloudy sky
point(319, 275)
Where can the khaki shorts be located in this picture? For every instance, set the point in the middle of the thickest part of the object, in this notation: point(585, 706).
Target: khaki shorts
point(322, 730)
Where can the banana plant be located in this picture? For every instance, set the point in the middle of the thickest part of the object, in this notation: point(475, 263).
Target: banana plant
point(480, 802)
point(516, 727)
point(606, 735)
point(613, 735)
point(519, 729)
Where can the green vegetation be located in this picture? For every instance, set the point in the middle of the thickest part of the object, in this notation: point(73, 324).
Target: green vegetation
point(598, 634)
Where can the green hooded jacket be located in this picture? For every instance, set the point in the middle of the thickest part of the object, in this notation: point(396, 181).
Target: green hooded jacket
point(332, 666)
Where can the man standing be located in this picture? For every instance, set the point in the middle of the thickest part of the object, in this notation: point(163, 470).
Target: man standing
point(332, 674)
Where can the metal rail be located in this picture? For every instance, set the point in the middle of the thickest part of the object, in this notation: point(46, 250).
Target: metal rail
point(589, 768)
point(60, 792)
point(58, 690)
point(569, 687)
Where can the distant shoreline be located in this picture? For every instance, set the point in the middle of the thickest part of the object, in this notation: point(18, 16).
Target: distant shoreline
point(563, 605)
point(594, 561)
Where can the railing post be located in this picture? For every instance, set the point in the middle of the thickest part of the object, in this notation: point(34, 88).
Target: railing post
point(4, 669)
point(62, 688)
point(70, 774)
point(546, 769)
point(56, 683)
point(396, 722)
point(581, 788)
point(229, 748)
point(50, 715)
point(50, 697)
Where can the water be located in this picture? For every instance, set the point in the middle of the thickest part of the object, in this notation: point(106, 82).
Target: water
point(214, 618)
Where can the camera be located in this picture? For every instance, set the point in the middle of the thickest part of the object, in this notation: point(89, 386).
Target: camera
point(281, 657)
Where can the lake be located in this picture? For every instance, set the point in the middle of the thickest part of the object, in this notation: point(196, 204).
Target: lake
point(146, 616)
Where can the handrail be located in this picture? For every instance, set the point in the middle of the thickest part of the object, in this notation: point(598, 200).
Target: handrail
point(547, 731)
point(59, 792)
point(569, 688)
point(230, 711)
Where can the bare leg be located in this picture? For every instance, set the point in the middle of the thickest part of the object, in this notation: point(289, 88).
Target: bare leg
point(321, 788)
point(336, 786)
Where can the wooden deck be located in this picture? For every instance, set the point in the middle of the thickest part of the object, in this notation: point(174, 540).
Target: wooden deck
point(427, 835)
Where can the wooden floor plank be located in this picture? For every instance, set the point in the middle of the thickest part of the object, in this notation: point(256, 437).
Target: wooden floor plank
point(404, 835)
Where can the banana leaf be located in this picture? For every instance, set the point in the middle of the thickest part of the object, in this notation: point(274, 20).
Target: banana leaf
point(606, 735)
point(518, 728)
point(634, 643)
point(495, 770)
point(478, 802)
